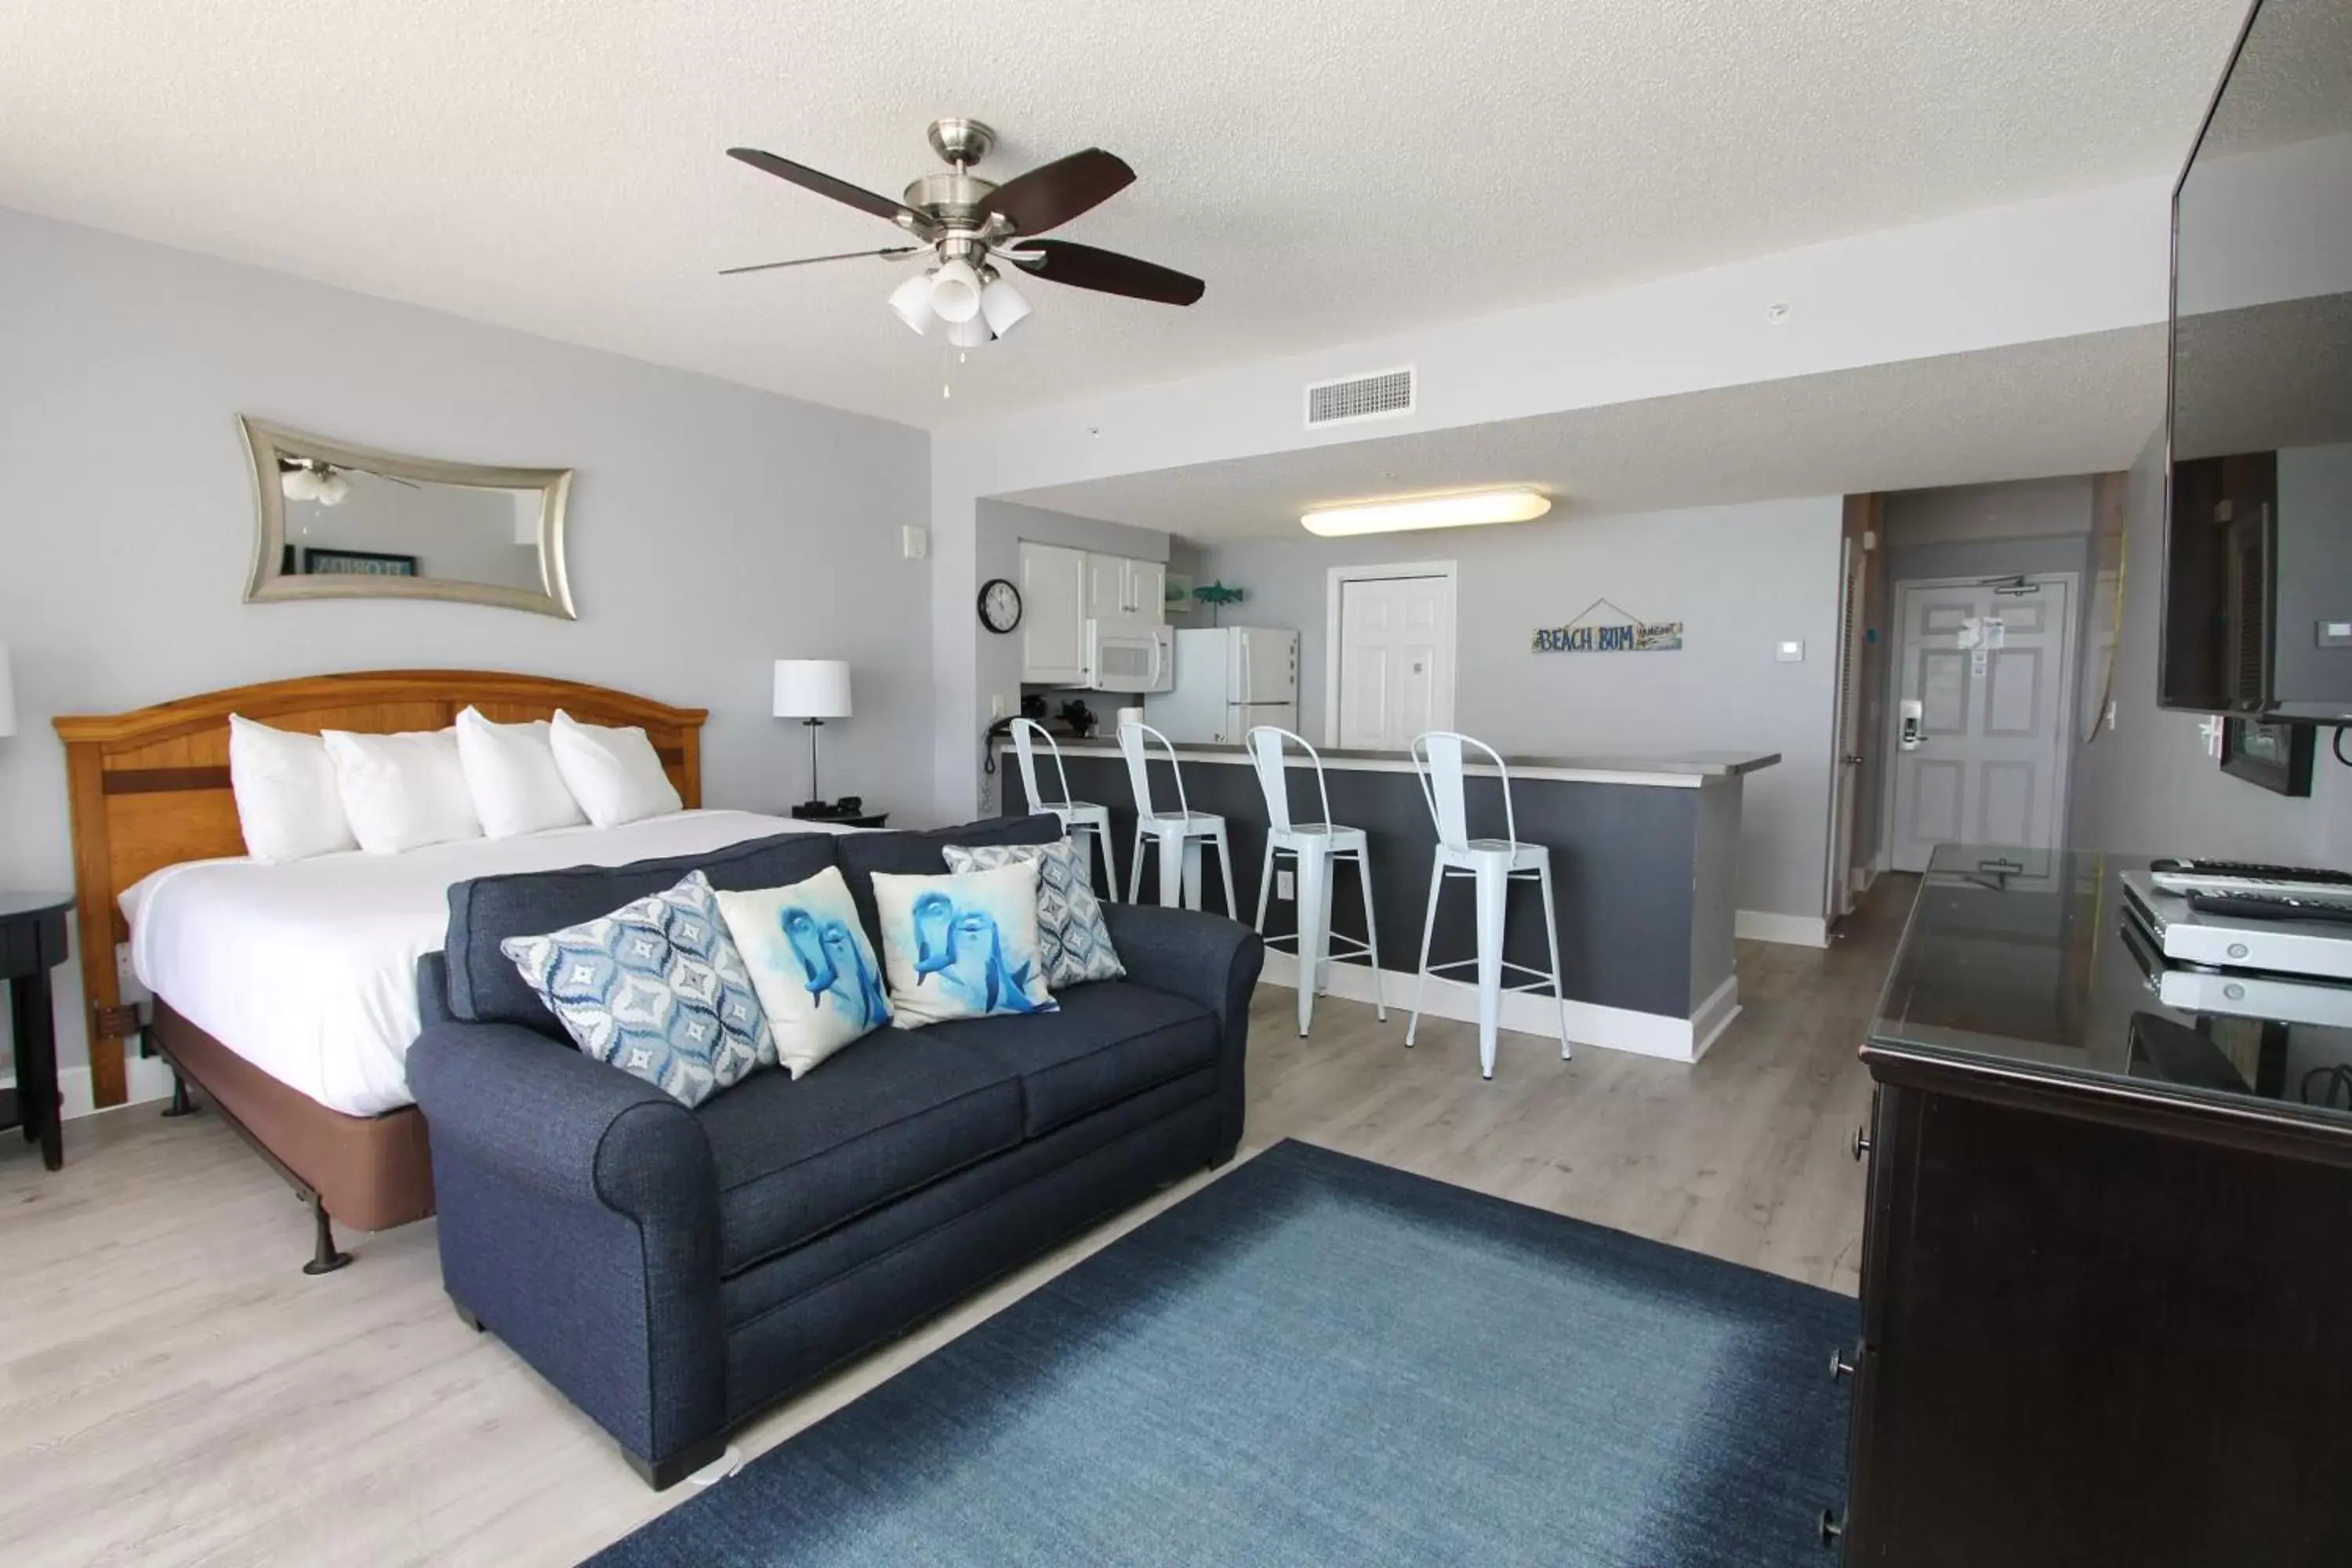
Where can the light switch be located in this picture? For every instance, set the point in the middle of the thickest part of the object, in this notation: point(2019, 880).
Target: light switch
point(915, 542)
point(2336, 634)
point(1790, 653)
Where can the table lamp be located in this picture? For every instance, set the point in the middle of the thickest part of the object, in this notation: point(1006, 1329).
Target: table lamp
point(811, 691)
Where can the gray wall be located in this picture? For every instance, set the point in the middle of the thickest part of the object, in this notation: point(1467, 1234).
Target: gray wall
point(714, 529)
point(2147, 786)
point(1002, 525)
point(1740, 578)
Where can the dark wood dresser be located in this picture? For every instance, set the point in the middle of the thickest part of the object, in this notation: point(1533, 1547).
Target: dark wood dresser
point(2106, 1280)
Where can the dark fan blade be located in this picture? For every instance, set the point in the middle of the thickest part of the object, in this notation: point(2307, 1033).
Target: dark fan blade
point(1106, 272)
point(1053, 194)
point(865, 201)
point(811, 260)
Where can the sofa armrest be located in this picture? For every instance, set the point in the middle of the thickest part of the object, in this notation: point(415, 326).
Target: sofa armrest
point(570, 1126)
point(1202, 958)
point(578, 1220)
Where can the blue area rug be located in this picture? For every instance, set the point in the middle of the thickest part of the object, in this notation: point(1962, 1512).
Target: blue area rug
point(1316, 1359)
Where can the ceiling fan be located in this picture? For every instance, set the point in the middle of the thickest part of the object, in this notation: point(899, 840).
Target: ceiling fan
point(968, 224)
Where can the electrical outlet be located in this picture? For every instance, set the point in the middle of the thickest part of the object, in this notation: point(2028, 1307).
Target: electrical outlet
point(997, 706)
point(1282, 886)
point(915, 542)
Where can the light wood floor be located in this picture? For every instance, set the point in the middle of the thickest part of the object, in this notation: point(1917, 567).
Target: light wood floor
point(172, 1389)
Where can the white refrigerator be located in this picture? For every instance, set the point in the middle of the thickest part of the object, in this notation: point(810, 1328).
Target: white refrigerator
point(1229, 679)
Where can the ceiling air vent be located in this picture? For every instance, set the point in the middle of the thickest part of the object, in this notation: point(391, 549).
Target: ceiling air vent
point(1381, 395)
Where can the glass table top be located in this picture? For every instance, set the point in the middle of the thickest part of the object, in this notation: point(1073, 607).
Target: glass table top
point(2029, 959)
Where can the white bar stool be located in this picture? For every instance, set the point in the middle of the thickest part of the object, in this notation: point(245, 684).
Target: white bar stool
point(1316, 846)
point(1493, 864)
point(1179, 833)
point(1078, 815)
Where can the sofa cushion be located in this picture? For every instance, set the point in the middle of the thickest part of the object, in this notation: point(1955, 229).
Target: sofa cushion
point(923, 854)
point(1108, 1041)
point(797, 1156)
point(484, 987)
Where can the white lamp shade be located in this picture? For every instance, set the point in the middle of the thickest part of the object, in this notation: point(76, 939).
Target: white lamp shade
point(812, 688)
point(1002, 303)
point(332, 490)
point(912, 300)
point(299, 484)
point(7, 695)
point(970, 334)
point(955, 292)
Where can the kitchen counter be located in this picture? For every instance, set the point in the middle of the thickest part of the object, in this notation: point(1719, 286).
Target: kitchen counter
point(1645, 851)
point(1685, 769)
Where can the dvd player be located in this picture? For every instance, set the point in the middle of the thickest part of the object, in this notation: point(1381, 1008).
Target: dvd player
point(2185, 935)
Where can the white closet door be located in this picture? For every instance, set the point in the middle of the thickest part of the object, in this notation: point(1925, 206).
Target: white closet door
point(1396, 660)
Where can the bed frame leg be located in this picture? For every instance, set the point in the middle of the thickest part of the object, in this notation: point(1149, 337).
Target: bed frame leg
point(324, 1258)
point(183, 1104)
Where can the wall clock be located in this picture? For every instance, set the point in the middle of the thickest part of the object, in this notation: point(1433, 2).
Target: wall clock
point(1000, 606)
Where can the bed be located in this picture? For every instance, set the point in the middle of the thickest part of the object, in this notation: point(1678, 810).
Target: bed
point(285, 994)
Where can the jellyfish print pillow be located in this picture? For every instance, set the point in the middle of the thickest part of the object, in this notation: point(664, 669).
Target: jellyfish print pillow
point(809, 964)
point(962, 946)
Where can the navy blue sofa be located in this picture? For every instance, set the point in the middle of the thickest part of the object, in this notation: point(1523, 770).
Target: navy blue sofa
point(675, 1271)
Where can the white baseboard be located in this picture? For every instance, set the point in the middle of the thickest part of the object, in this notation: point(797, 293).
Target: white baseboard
point(147, 1078)
point(1715, 1016)
point(1525, 1013)
point(1797, 930)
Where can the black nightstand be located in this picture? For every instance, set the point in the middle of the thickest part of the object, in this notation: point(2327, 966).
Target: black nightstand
point(33, 943)
point(841, 819)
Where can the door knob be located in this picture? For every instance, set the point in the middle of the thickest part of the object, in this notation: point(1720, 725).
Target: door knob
point(1861, 1144)
point(1839, 1366)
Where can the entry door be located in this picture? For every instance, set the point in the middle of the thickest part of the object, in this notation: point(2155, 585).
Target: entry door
point(1990, 759)
point(1396, 660)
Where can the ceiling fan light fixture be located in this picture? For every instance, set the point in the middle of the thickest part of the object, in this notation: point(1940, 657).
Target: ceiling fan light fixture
point(333, 489)
point(955, 292)
point(1002, 303)
point(970, 334)
point(912, 300)
point(299, 484)
point(1464, 510)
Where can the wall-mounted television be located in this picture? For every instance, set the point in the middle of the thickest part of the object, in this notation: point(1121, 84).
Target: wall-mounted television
point(2258, 536)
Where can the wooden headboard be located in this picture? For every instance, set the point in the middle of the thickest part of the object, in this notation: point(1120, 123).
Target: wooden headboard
point(150, 788)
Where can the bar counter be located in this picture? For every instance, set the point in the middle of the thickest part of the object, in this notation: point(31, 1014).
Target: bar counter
point(1644, 851)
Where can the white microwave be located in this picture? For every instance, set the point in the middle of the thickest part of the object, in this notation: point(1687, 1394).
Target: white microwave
point(1129, 656)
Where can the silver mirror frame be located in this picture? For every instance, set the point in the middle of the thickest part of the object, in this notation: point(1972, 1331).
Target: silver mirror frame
point(267, 443)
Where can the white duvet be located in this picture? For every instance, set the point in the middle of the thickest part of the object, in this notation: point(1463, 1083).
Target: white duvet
point(308, 970)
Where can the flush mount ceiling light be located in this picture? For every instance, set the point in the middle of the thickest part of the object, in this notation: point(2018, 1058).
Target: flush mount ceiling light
point(964, 224)
point(1427, 511)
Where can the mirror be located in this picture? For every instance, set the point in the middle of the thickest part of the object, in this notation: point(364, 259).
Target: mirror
point(340, 521)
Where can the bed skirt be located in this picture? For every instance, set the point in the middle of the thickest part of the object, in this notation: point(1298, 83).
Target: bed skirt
point(371, 1173)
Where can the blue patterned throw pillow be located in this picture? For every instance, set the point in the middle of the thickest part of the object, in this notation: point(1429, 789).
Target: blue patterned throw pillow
point(658, 989)
point(961, 947)
point(1071, 929)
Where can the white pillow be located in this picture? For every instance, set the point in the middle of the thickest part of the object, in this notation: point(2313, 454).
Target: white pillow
point(613, 774)
point(285, 797)
point(811, 965)
point(512, 773)
point(403, 792)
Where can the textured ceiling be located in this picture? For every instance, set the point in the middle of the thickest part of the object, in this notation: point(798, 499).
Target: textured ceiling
point(2072, 405)
point(1335, 169)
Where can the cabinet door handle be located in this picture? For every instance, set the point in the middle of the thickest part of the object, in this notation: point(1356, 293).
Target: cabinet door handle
point(1832, 1527)
point(1861, 1142)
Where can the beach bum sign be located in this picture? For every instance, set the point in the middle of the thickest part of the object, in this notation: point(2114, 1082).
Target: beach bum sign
point(1591, 633)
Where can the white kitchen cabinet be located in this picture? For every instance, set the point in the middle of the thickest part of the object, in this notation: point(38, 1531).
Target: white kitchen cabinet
point(1147, 583)
point(1053, 615)
point(1118, 589)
